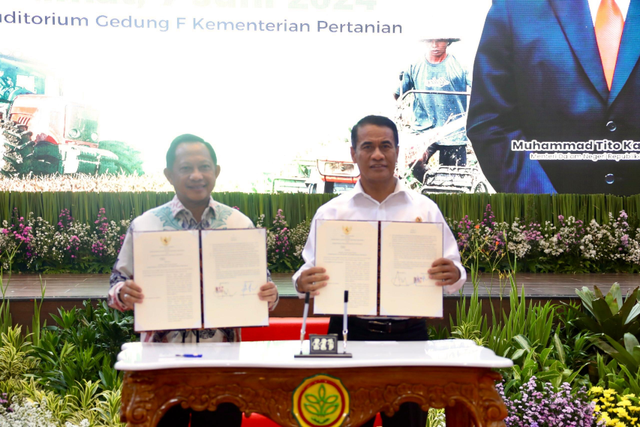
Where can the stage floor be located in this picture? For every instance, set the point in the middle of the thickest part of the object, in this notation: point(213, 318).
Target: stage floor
point(549, 286)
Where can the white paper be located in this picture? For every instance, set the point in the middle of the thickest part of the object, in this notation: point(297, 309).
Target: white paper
point(234, 266)
point(348, 250)
point(167, 268)
point(407, 250)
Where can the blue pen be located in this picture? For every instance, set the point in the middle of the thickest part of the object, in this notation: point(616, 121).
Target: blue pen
point(188, 355)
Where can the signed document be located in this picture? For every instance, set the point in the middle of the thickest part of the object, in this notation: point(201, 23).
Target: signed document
point(234, 266)
point(167, 268)
point(407, 250)
point(348, 250)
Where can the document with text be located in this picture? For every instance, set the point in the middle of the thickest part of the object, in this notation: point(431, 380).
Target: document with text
point(407, 250)
point(348, 250)
point(167, 268)
point(234, 266)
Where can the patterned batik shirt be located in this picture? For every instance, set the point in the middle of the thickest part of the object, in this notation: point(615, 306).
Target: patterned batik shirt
point(174, 216)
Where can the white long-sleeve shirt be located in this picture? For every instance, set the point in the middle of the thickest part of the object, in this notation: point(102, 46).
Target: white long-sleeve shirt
point(401, 205)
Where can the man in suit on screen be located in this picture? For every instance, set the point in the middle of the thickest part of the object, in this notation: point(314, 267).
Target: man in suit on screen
point(564, 73)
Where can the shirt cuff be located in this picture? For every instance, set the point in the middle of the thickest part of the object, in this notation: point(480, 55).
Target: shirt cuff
point(460, 283)
point(112, 298)
point(275, 303)
point(295, 283)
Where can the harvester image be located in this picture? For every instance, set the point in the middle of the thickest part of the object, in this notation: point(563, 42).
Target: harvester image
point(49, 134)
point(453, 172)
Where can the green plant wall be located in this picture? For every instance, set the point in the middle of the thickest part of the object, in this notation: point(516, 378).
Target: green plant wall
point(297, 206)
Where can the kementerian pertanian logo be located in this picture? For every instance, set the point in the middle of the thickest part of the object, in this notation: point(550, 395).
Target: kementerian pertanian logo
point(321, 401)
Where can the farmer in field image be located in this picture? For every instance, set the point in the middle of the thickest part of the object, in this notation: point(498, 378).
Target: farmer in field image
point(437, 70)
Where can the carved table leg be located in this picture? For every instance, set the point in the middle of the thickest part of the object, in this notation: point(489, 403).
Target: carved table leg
point(458, 416)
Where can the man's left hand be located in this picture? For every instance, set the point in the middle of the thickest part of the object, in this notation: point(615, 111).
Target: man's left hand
point(268, 292)
point(444, 272)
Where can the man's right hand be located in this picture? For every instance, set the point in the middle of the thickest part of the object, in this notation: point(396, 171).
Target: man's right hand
point(311, 280)
point(130, 294)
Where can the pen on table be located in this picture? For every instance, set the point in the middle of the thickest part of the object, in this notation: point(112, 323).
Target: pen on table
point(188, 355)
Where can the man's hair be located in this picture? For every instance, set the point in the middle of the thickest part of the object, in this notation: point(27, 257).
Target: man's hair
point(187, 138)
point(377, 121)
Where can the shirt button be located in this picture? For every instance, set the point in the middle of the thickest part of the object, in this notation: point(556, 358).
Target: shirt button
point(609, 178)
point(611, 125)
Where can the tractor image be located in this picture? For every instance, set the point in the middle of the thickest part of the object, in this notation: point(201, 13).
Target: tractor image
point(49, 134)
point(447, 175)
point(333, 176)
point(43, 132)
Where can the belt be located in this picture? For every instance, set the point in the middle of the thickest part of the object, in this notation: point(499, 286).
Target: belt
point(389, 326)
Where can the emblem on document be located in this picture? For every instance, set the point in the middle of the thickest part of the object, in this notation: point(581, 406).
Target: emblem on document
point(346, 229)
point(165, 240)
point(418, 219)
point(321, 400)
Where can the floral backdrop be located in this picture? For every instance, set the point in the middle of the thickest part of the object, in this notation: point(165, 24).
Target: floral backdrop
point(569, 247)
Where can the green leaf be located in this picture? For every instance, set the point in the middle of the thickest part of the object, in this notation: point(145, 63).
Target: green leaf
point(601, 310)
point(559, 348)
point(331, 409)
point(311, 409)
point(630, 342)
point(311, 398)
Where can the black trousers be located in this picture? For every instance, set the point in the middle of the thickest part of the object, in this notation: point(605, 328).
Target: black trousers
point(409, 414)
point(227, 415)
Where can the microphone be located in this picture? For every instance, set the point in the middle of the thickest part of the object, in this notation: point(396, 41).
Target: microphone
point(345, 329)
point(303, 331)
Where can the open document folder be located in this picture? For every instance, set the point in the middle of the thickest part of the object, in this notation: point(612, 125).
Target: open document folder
point(348, 250)
point(176, 296)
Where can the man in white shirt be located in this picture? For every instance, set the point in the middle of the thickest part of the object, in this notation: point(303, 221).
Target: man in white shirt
point(379, 195)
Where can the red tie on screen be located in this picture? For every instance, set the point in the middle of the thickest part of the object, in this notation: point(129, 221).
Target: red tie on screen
point(609, 25)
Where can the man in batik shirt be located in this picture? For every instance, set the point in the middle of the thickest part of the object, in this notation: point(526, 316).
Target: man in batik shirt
point(192, 169)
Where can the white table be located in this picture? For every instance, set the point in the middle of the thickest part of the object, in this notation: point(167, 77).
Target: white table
point(263, 377)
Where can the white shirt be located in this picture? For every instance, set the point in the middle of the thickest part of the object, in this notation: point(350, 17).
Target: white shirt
point(401, 205)
point(595, 4)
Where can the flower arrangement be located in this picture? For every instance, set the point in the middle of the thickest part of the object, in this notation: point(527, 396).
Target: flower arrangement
point(284, 244)
point(68, 245)
point(569, 246)
point(25, 413)
point(539, 405)
point(614, 409)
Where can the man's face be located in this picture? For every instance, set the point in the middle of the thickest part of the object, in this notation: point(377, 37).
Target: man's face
point(437, 48)
point(193, 174)
point(376, 154)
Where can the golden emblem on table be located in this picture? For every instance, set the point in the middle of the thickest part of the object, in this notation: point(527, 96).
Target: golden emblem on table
point(165, 240)
point(346, 229)
point(320, 400)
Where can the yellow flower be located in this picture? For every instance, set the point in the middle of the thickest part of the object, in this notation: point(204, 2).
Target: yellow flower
point(595, 389)
point(624, 403)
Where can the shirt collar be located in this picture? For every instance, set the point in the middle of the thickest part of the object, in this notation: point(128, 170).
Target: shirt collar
point(400, 189)
point(178, 209)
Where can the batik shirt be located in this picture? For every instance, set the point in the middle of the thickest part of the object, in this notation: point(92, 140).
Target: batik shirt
point(174, 216)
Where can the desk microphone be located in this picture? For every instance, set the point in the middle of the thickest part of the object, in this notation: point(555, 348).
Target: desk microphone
point(345, 328)
point(303, 330)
